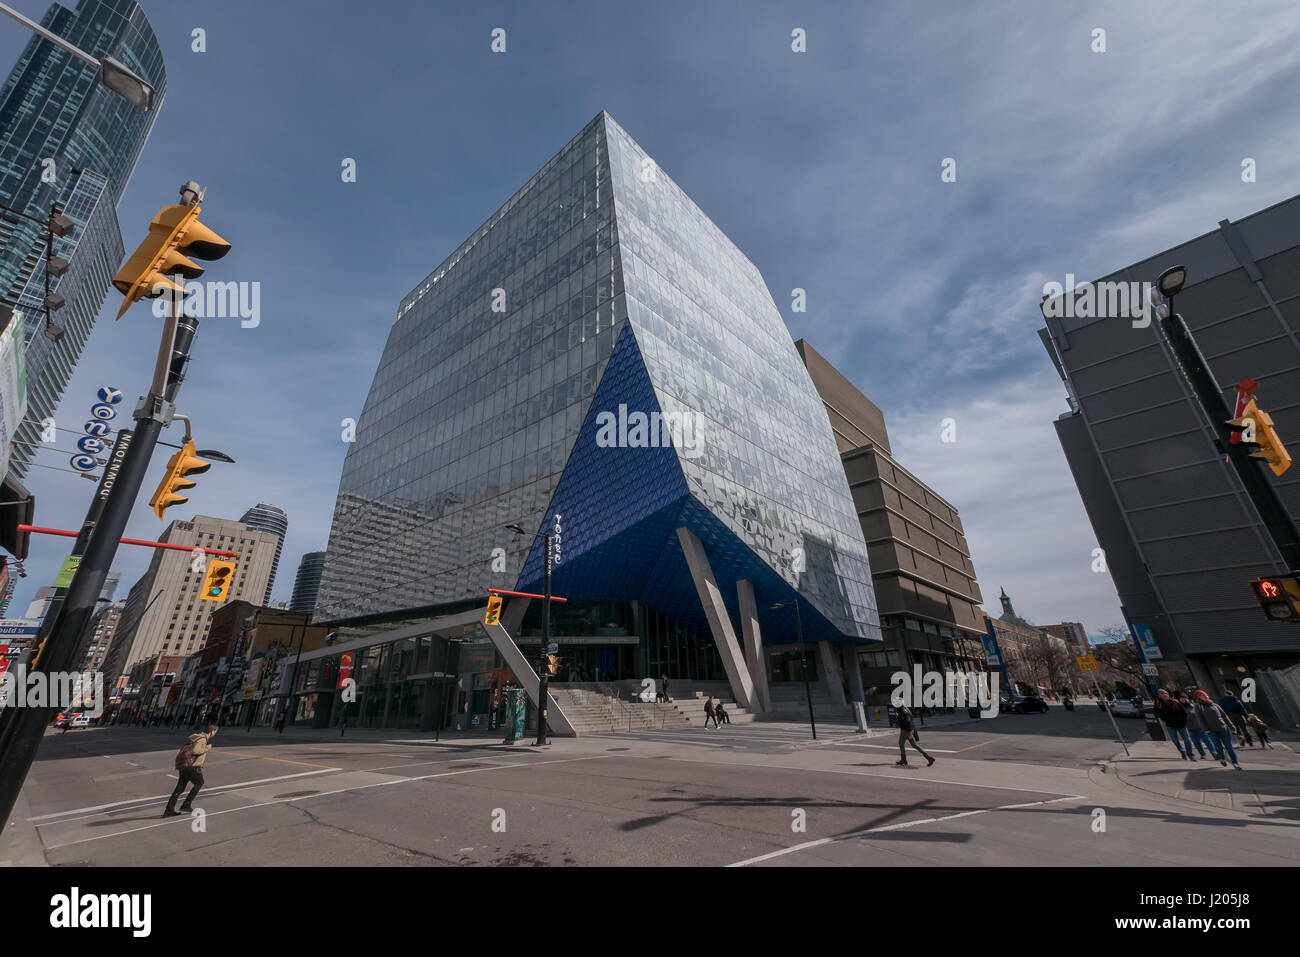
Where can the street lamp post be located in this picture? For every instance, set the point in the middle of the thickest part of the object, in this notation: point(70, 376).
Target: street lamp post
point(803, 657)
point(113, 74)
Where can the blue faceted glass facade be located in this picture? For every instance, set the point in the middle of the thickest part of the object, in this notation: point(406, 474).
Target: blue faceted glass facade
point(600, 354)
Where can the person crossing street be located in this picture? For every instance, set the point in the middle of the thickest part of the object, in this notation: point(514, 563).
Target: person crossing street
point(906, 733)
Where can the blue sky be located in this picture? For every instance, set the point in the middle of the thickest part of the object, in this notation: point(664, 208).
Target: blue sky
point(823, 167)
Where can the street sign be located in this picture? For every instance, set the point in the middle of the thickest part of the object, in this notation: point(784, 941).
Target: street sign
point(1087, 663)
point(64, 578)
point(16, 627)
point(1150, 670)
point(1146, 641)
point(552, 648)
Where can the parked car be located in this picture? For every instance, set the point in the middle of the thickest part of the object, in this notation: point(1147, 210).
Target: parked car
point(81, 721)
point(1126, 708)
point(1024, 704)
point(58, 722)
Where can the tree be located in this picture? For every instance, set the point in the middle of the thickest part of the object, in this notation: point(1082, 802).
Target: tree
point(1119, 653)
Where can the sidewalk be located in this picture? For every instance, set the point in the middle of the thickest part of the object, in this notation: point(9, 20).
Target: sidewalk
point(1268, 786)
point(20, 844)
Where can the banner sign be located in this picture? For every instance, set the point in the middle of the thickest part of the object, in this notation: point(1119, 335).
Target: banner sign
point(69, 568)
point(13, 384)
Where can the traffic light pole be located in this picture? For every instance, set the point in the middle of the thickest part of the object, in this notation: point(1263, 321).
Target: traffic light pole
point(106, 481)
point(1262, 492)
point(59, 650)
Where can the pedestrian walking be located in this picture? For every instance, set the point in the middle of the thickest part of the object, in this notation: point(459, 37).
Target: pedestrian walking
point(1196, 728)
point(720, 714)
point(906, 733)
point(1261, 729)
point(1175, 719)
point(189, 764)
point(1237, 713)
point(663, 689)
point(1217, 725)
point(343, 719)
point(709, 713)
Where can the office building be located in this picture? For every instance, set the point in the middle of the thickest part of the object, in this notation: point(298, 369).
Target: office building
point(68, 141)
point(306, 585)
point(921, 567)
point(1073, 634)
point(1181, 538)
point(600, 362)
point(164, 614)
point(99, 635)
point(268, 518)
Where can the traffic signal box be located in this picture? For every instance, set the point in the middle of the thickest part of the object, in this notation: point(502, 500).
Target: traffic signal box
point(493, 614)
point(175, 234)
point(216, 586)
point(1255, 428)
point(181, 464)
point(1278, 597)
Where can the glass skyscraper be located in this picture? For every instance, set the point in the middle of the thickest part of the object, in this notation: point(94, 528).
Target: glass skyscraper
point(71, 141)
point(269, 518)
point(597, 355)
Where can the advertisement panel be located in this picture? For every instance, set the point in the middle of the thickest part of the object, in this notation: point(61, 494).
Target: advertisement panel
point(13, 385)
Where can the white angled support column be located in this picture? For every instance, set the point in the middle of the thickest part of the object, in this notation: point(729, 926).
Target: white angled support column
point(832, 676)
point(742, 687)
point(849, 658)
point(753, 635)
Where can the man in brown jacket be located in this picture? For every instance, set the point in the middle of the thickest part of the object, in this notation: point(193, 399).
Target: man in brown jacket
point(200, 745)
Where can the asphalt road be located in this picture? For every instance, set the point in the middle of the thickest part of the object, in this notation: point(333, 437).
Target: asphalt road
point(1019, 789)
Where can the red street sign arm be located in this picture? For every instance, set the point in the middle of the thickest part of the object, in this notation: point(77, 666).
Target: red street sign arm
point(516, 594)
point(135, 541)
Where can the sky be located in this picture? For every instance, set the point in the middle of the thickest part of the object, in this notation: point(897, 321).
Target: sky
point(823, 166)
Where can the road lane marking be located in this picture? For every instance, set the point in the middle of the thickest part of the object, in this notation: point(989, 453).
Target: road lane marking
point(896, 827)
point(974, 746)
point(885, 747)
point(139, 800)
point(320, 794)
point(262, 757)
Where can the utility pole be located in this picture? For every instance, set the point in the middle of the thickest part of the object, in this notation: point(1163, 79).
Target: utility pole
point(163, 249)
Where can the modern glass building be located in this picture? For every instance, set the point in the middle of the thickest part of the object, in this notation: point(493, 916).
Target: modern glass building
point(93, 251)
point(306, 585)
point(69, 140)
point(598, 360)
point(269, 518)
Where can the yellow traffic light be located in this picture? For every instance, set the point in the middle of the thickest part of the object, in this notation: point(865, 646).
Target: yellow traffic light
point(174, 235)
point(493, 616)
point(552, 664)
point(216, 586)
point(1256, 429)
point(181, 464)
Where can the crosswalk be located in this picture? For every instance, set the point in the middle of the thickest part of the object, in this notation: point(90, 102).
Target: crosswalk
point(757, 736)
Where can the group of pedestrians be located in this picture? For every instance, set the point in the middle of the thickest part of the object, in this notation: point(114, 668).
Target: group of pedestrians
point(715, 712)
point(1198, 722)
